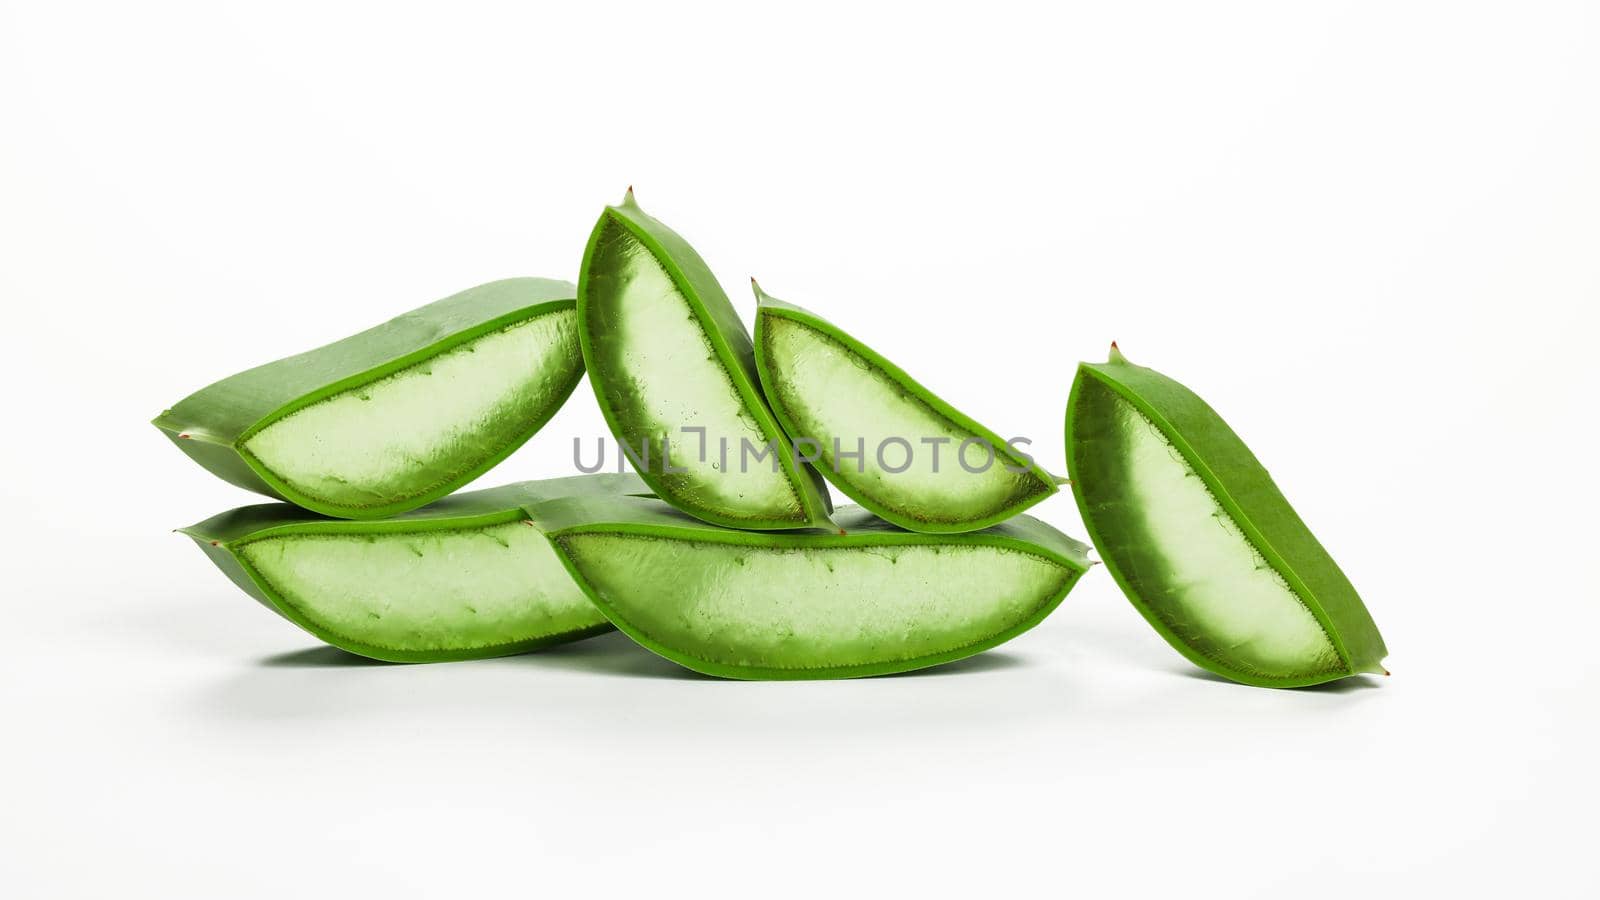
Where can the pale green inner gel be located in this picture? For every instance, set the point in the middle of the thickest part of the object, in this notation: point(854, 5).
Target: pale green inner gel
point(1201, 573)
point(426, 590)
point(816, 607)
point(839, 399)
point(405, 434)
point(675, 383)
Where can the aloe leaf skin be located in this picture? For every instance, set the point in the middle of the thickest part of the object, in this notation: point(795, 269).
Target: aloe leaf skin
point(397, 416)
point(829, 387)
point(805, 605)
point(1201, 540)
point(462, 578)
point(667, 355)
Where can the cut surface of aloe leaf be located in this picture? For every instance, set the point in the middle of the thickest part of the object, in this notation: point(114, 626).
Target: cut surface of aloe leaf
point(1202, 541)
point(769, 605)
point(462, 578)
point(673, 370)
point(398, 415)
point(922, 464)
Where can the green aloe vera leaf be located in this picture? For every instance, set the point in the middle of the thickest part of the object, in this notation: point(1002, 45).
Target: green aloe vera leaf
point(674, 372)
point(835, 391)
point(462, 578)
point(399, 415)
point(1202, 541)
point(801, 604)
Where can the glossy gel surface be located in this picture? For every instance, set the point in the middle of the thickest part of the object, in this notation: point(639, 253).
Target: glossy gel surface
point(403, 435)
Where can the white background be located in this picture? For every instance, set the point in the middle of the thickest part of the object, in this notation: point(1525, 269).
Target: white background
point(1369, 234)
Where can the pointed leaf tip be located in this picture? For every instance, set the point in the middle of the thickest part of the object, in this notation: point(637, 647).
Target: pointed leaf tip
point(1116, 354)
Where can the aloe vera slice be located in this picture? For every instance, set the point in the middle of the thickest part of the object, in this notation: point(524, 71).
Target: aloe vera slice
point(399, 415)
point(765, 605)
point(867, 416)
point(1202, 541)
point(463, 578)
point(674, 372)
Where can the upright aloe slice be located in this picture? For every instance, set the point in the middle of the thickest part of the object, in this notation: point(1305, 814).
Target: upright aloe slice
point(398, 415)
point(463, 578)
point(865, 416)
point(1201, 540)
point(674, 372)
point(875, 600)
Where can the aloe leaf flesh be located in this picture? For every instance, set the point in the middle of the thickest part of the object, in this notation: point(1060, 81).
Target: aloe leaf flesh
point(886, 441)
point(802, 604)
point(1202, 541)
point(399, 415)
point(673, 370)
point(463, 578)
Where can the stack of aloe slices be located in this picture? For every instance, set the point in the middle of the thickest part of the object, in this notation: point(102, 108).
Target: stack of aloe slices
point(724, 553)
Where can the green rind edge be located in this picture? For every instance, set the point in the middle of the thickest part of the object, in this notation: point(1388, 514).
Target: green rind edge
point(1206, 443)
point(767, 305)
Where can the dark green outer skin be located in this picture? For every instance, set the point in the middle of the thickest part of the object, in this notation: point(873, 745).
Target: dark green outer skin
point(728, 338)
point(1247, 493)
point(767, 305)
point(643, 516)
point(219, 535)
point(212, 424)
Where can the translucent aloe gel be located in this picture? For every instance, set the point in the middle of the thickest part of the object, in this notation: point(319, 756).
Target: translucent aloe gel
point(463, 578)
